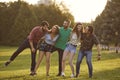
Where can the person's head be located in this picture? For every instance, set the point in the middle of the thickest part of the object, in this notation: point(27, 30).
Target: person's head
point(78, 28)
point(55, 29)
point(89, 29)
point(66, 23)
point(44, 25)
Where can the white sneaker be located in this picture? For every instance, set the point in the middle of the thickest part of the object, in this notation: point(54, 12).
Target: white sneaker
point(72, 76)
point(63, 74)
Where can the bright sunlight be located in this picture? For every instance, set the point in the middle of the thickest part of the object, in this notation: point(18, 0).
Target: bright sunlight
point(82, 10)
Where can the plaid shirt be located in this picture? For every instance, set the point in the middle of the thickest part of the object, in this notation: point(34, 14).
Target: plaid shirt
point(87, 42)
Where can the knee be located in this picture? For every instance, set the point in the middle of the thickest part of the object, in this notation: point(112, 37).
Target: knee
point(48, 61)
point(88, 61)
point(78, 62)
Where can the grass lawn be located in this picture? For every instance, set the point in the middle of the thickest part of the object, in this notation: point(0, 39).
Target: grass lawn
point(108, 68)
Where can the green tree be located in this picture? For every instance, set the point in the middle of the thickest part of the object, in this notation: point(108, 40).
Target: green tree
point(52, 13)
point(8, 13)
point(107, 23)
point(18, 18)
point(23, 24)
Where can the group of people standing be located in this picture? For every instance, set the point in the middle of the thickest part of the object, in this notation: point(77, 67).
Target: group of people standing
point(62, 39)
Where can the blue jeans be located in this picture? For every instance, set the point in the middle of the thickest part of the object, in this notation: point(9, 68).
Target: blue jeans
point(88, 55)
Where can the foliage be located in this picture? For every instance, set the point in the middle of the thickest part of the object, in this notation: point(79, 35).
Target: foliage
point(107, 24)
point(18, 18)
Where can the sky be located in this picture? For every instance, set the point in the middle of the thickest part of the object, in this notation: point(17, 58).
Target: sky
point(82, 10)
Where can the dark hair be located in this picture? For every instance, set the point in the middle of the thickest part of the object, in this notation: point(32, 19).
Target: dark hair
point(57, 31)
point(68, 20)
point(76, 30)
point(43, 23)
point(90, 29)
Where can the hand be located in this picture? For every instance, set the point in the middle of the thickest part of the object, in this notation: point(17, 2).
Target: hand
point(33, 50)
point(98, 57)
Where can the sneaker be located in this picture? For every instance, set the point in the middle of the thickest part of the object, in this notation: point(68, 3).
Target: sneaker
point(90, 76)
point(58, 74)
point(7, 63)
point(33, 73)
point(47, 75)
point(76, 75)
point(72, 76)
point(63, 74)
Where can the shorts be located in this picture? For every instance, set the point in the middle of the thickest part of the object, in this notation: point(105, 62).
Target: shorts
point(45, 47)
point(71, 48)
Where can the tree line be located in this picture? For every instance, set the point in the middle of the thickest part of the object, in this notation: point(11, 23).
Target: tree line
point(18, 18)
point(107, 24)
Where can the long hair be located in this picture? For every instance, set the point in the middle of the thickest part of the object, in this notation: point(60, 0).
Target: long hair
point(57, 29)
point(75, 29)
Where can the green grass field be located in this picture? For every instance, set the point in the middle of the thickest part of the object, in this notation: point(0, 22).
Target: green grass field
point(108, 68)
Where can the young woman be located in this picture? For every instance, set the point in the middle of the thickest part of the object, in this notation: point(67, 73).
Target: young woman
point(71, 47)
point(46, 47)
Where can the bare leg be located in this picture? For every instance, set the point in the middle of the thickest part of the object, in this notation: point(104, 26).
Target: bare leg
point(48, 54)
point(71, 62)
point(63, 60)
point(41, 55)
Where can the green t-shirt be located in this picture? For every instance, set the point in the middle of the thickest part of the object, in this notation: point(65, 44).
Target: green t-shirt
point(63, 38)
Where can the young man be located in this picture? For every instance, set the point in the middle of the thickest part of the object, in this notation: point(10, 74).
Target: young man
point(88, 39)
point(61, 42)
point(31, 42)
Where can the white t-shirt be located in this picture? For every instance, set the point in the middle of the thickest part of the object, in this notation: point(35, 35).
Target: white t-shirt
point(74, 40)
point(49, 40)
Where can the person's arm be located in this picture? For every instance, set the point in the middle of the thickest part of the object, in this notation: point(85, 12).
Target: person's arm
point(56, 38)
point(40, 41)
point(31, 45)
point(31, 37)
point(99, 54)
point(70, 36)
point(96, 41)
point(48, 30)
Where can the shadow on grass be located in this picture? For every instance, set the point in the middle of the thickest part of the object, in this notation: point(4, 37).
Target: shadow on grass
point(101, 75)
point(105, 55)
point(23, 61)
point(13, 77)
point(20, 62)
point(107, 75)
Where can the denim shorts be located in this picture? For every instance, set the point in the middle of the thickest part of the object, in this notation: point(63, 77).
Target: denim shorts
point(71, 48)
point(46, 47)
